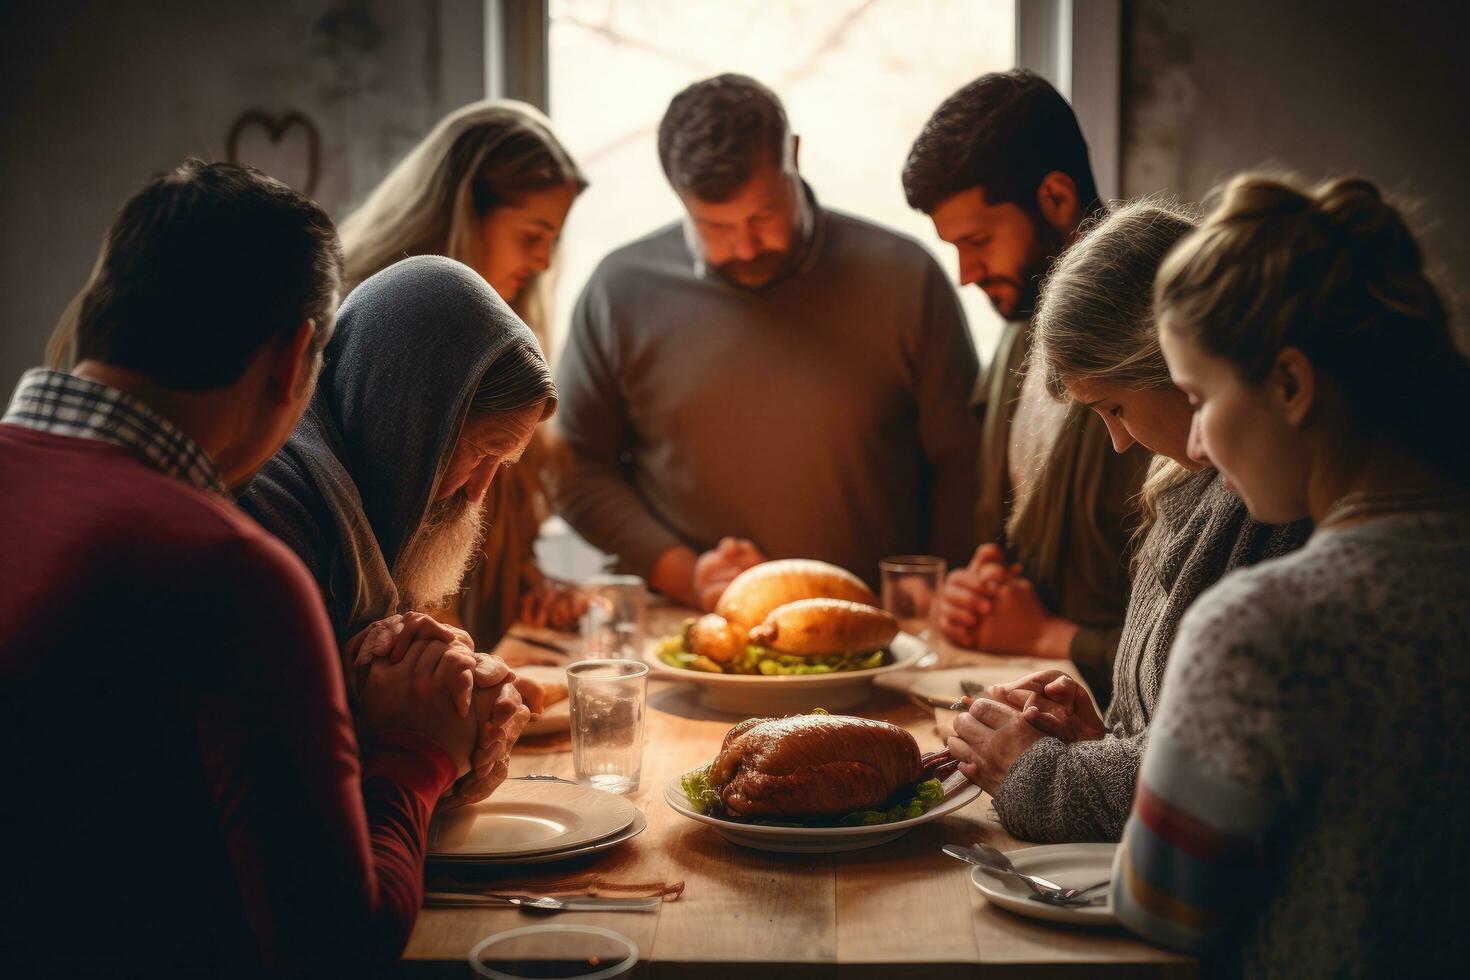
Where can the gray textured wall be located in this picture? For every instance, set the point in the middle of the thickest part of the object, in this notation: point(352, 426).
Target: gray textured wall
point(1380, 89)
point(95, 97)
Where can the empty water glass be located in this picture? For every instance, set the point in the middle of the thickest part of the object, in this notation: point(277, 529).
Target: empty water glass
point(607, 700)
point(613, 625)
point(911, 584)
point(561, 950)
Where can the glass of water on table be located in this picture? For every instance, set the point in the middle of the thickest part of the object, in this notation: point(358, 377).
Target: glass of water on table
point(613, 624)
point(911, 585)
point(607, 700)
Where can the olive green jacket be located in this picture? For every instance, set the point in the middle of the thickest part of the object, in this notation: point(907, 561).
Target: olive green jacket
point(1072, 539)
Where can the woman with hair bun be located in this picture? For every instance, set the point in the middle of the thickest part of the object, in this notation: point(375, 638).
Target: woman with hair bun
point(1305, 784)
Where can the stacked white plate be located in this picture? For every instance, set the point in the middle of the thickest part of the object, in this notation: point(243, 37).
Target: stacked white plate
point(534, 820)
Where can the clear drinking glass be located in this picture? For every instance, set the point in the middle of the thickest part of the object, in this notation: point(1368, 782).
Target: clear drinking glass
point(607, 700)
point(560, 951)
point(911, 585)
point(613, 626)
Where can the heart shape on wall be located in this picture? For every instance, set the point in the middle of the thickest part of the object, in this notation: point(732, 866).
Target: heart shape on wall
point(272, 154)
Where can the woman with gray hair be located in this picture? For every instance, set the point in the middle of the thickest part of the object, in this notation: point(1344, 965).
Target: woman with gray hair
point(1057, 771)
point(490, 186)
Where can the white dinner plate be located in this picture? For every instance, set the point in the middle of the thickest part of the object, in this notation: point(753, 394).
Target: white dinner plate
point(1067, 865)
point(638, 826)
point(958, 792)
point(784, 694)
point(527, 817)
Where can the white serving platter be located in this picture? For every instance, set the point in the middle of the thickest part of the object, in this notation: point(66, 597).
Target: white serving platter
point(958, 792)
point(761, 694)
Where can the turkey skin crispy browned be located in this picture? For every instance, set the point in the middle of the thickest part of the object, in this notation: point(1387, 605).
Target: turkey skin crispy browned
point(711, 635)
point(751, 595)
point(813, 765)
point(820, 627)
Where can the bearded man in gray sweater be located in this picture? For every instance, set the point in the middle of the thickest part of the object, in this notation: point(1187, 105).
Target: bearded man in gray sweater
point(766, 378)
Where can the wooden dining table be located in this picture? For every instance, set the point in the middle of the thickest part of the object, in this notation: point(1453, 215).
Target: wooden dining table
point(898, 911)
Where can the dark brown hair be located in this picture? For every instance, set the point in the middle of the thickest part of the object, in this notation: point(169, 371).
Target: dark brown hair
point(715, 132)
point(1335, 272)
point(1003, 132)
point(201, 268)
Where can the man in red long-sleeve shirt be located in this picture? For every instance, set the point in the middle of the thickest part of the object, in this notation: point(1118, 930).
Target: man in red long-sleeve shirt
point(227, 823)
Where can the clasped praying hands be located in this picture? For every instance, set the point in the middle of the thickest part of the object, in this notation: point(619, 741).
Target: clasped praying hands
point(478, 711)
point(996, 729)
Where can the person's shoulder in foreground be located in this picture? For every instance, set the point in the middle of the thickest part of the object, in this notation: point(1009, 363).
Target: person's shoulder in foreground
point(162, 615)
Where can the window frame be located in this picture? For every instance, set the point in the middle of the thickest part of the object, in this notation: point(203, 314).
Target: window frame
point(1089, 76)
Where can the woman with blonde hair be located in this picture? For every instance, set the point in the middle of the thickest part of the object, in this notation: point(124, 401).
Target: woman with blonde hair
point(1305, 787)
point(491, 187)
point(1059, 772)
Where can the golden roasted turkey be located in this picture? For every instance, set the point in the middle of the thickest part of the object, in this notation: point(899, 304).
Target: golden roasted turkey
point(754, 593)
point(795, 606)
point(816, 765)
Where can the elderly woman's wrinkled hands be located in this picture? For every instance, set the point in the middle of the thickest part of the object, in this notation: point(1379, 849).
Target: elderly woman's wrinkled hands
point(988, 739)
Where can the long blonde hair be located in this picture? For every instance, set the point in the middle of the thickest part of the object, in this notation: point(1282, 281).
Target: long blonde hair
point(1095, 319)
point(1333, 271)
point(478, 157)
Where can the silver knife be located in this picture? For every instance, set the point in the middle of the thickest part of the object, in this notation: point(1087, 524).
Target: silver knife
point(543, 903)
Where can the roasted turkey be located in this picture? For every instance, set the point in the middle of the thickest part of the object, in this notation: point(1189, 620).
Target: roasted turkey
point(715, 637)
point(751, 596)
point(819, 627)
point(813, 765)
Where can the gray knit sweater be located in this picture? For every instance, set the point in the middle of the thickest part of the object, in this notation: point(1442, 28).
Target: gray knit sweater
point(1059, 792)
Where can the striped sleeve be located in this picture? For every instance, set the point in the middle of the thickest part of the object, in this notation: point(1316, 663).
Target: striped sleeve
point(1191, 854)
point(1212, 782)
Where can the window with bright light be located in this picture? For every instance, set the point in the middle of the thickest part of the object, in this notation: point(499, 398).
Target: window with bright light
point(858, 77)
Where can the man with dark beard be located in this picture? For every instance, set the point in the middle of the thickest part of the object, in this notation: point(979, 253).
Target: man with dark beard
point(430, 383)
point(1002, 169)
point(768, 377)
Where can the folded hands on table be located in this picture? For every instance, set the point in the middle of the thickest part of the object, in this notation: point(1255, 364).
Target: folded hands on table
point(995, 729)
point(990, 605)
point(417, 674)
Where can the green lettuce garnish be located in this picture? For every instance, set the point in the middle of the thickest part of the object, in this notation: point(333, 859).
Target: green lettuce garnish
point(674, 651)
point(703, 797)
point(926, 795)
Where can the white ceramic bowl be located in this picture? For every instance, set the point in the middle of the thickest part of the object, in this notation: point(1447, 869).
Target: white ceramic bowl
point(784, 694)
